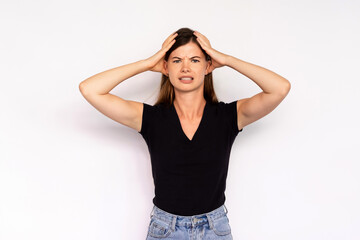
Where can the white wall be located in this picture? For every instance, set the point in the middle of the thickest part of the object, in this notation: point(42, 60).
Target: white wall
point(69, 172)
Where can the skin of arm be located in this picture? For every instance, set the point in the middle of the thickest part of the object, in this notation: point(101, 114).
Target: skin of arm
point(102, 83)
point(275, 89)
point(96, 88)
point(268, 81)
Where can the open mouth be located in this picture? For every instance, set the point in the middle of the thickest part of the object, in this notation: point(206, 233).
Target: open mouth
point(186, 79)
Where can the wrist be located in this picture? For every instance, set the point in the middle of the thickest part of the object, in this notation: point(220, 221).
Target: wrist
point(145, 64)
point(228, 60)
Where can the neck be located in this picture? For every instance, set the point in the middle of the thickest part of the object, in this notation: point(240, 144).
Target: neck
point(189, 108)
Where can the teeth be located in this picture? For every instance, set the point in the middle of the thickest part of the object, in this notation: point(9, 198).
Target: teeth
point(186, 78)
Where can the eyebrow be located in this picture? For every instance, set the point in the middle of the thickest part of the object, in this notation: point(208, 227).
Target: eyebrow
point(191, 57)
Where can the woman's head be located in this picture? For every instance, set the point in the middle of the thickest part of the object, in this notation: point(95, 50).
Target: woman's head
point(180, 61)
point(185, 35)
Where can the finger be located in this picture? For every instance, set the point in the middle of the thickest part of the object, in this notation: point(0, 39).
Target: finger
point(173, 35)
point(169, 39)
point(196, 33)
point(205, 43)
point(201, 41)
point(166, 47)
point(170, 44)
point(202, 37)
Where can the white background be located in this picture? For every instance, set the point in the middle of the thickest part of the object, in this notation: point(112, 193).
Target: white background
point(69, 172)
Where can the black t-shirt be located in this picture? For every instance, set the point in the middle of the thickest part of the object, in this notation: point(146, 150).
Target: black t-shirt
point(189, 175)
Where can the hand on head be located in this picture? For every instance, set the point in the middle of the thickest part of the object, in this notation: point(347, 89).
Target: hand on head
point(218, 58)
point(156, 62)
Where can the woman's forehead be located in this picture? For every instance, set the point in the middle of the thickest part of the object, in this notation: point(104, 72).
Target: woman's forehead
point(188, 50)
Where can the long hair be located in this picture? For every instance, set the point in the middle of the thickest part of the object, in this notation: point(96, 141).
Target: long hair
point(167, 94)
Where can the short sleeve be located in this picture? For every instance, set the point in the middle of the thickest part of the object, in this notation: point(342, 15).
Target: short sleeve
point(148, 117)
point(231, 113)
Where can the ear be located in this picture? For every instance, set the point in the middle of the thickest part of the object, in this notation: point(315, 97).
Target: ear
point(208, 67)
point(166, 68)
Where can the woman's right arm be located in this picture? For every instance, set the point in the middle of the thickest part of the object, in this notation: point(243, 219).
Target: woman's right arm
point(96, 88)
point(96, 91)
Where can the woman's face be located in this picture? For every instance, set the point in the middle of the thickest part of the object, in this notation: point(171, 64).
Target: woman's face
point(187, 60)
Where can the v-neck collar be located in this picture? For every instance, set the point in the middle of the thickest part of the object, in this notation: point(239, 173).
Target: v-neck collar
point(198, 128)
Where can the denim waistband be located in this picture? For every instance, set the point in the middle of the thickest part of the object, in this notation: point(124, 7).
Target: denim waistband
point(194, 220)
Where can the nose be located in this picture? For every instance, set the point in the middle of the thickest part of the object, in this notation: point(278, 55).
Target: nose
point(185, 66)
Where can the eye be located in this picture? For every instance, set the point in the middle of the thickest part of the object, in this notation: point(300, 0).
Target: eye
point(176, 61)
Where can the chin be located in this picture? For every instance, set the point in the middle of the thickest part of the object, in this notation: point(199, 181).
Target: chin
point(188, 87)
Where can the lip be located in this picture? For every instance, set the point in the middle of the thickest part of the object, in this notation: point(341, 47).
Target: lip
point(186, 81)
point(186, 77)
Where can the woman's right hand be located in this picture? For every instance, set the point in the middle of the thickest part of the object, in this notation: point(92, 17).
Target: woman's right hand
point(156, 62)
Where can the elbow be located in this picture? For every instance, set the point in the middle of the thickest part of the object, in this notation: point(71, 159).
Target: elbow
point(82, 88)
point(286, 88)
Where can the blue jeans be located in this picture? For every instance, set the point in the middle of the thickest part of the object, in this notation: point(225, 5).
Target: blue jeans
point(206, 226)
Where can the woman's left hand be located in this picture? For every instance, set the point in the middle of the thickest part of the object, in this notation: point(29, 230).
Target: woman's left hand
point(218, 58)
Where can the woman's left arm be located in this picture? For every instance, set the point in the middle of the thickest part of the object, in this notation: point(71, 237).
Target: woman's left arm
point(275, 89)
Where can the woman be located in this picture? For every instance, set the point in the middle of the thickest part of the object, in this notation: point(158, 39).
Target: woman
point(189, 133)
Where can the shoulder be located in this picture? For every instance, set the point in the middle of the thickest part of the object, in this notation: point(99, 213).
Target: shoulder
point(153, 115)
point(225, 106)
point(155, 107)
point(229, 111)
